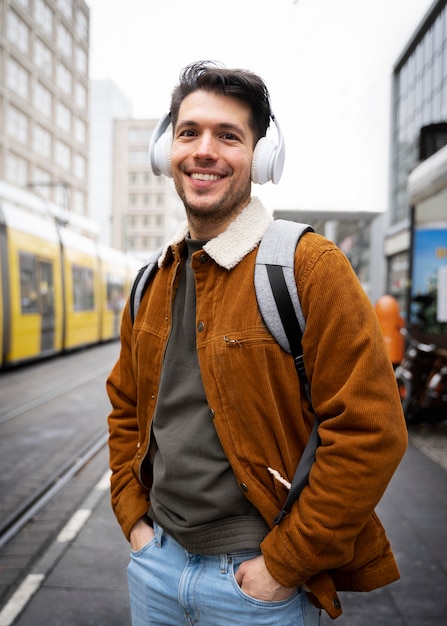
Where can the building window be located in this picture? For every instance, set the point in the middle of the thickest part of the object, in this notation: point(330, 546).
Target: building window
point(42, 141)
point(42, 177)
point(43, 16)
point(80, 130)
point(66, 8)
point(133, 178)
point(81, 25)
point(17, 31)
point(139, 135)
point(17, 124)
point(79, 166)
point(42, 100)
point(16, 170)
point(17, 78)
point(80, 60)
point(64, 78)
point(138, 156)
point(63, 155)
point(64, 41)
point(63, 117)
point(43, 58)
point(81, 96)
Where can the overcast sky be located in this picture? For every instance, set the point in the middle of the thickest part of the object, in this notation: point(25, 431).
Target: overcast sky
point(326, 63)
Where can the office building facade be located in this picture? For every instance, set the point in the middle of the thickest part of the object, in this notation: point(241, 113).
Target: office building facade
point(419, 130)
point(44, 123)
point(146, 208)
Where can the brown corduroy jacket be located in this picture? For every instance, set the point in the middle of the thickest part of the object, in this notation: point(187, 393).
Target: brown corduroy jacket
point(331, 539)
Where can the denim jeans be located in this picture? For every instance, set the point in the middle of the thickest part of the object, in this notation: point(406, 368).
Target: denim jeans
point(169, 586)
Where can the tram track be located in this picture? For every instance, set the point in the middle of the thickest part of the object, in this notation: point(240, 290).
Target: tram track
point(10, 414)
point(13, 523)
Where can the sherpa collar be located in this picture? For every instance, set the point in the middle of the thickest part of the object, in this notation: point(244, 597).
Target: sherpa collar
point(241, 237)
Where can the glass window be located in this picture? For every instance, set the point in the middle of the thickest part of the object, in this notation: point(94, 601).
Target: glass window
point(17, 31)
point(63, 117)
point(81, 96)
point(64, 78)
point(81, 25)
point(138, 156)
point(17, 78)
point(43, 57)
point(63, 155)
point(17, 124)
point(79, 166)
point(66, 8)
point(64, 41)
point(83, 288)
point(43, 16)
point(81, 60)
point(16, 171)
point(139, 135)
point(115, 292)
point(42, 100)
point(28, 283)
point(43, 177)
point(80, 130)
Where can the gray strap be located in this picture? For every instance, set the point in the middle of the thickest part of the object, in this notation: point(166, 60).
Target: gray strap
point(278, 248)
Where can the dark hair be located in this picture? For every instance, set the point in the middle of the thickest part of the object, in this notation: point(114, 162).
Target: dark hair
point(243, 84)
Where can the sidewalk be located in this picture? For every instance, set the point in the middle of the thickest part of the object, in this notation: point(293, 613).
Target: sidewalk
point(86, 584)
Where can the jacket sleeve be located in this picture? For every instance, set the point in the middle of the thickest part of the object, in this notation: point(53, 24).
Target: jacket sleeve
point(128, 496)
point(362, 431)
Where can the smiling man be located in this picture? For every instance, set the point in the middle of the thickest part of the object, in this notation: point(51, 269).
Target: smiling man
point(206, 403)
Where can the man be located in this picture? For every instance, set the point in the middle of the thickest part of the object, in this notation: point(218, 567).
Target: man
point(205, 401)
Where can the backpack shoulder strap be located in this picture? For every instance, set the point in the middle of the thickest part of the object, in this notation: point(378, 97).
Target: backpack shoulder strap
point(277, 250)
point(142, 280)
point(280, 308)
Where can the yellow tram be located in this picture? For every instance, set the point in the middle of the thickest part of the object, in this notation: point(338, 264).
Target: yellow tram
point(59, 288)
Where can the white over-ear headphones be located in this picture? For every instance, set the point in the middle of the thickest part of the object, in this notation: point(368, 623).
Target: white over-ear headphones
point(267, 163)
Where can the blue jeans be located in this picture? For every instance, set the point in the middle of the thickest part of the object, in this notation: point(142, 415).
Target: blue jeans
point(169, 586)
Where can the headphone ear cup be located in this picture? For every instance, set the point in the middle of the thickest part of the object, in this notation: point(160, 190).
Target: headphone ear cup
point(160, 147)
point(263, 158)
point(162, 154)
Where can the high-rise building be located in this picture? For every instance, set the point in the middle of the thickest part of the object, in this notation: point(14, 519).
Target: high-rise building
point(146, 208)
point(419, 130)
point(44, 123)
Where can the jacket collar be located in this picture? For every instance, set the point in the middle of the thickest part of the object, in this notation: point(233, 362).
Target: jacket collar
point(241, 237)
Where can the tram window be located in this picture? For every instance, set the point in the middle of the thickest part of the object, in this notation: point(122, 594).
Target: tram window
point(115, 292)
point(83, 288)
point(28, 283)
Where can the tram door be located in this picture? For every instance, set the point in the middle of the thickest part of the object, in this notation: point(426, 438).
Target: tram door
point(46, 289)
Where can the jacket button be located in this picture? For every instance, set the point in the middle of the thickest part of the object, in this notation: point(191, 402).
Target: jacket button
point(244, 487)
point(203, 258)
point(200, 326)
point(336, 603)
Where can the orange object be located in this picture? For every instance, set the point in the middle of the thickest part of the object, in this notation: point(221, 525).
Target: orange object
point(391, 323)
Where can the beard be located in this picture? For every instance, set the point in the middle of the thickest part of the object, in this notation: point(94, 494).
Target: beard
point(219, 211)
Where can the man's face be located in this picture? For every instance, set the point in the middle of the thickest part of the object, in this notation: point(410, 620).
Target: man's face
point(211, 158)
